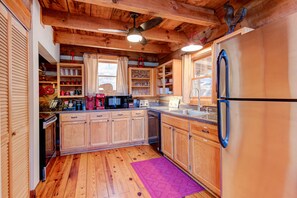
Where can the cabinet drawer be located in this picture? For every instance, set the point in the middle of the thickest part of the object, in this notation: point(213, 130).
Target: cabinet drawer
point(99, 115)
point(204, 130)
point(73, 116)
point(138, 113)
point(120, 114)
point(176, 122)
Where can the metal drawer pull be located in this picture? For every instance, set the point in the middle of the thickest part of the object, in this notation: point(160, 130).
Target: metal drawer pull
point(205, 131)
point(99, 116)
point(138, 113)
point(120, 114)
point(205, 140)
point(73, 117)
point(13, 133)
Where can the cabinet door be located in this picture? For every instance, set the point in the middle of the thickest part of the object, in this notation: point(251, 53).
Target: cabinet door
point(73, 135)
point(99, 132)
point(4, 127)
point(19, 113)
point(167, 140)
point(120, 130)
point(137, 129)
point(205, 157)
point(181, 147)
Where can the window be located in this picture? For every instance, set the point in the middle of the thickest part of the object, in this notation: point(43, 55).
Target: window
point(107, 75)
point(202, 79)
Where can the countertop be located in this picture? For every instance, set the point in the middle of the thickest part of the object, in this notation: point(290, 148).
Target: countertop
point(209, 119)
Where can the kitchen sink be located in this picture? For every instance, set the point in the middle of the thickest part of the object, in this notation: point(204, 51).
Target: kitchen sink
point(190, 112)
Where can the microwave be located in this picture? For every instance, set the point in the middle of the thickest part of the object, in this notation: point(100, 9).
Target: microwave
point(117, 102)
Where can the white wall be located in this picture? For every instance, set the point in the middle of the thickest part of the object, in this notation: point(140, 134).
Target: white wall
point(41, 41)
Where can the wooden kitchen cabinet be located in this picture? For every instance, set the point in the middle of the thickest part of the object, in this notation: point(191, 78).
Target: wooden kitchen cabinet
point(120, 130)
point(99, 132)
point(141, 82)
point(169, 78)
point(73, 136)
point(167, 140)
point(137, 129)
point(205, 155)
point(205, 166)
point(181, 147)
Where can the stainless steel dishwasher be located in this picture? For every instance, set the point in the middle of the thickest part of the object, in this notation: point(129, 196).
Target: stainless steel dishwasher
point(154, 130)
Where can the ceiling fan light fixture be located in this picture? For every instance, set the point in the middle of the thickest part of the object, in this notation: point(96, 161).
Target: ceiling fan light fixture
point(134, 36)
point(192, 48)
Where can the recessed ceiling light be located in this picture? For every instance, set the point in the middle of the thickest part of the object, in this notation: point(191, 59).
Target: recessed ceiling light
point(192, 48)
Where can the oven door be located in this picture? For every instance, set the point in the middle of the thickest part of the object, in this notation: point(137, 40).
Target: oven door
point(50, 141)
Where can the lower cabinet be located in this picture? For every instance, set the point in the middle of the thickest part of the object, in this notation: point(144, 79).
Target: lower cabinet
point(73, 136)
point(99, 132)
point(181, 147)
point(205, 155)
point(81, 132)
point(120, 130)
point(194, 146)
point(167, 140)
point(137, 129)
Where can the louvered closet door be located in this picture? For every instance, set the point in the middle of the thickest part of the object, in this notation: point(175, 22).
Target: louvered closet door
point(4, 99)
point(19, 161)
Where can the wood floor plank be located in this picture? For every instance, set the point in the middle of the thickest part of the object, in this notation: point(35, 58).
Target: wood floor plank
point(47, 188)
point(101, 180)
point(62, 180)
point(81, 187)
point(91, 177)
point(72, 178)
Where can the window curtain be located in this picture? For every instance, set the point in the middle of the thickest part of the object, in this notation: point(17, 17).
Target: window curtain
point(122, 76)
point(187, 75)
point(91, 74)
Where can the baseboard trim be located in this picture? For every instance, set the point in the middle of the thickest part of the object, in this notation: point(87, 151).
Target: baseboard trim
point(33, 193)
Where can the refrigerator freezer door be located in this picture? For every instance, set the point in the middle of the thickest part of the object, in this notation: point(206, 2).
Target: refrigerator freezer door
point(262, 63)
point(260, 159)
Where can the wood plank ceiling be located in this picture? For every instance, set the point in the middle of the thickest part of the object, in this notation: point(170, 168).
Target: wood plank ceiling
point(76, 22)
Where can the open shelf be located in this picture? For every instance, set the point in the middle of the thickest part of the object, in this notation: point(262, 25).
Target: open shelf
point(71, 76)
point(70, 85)
point(74, 96)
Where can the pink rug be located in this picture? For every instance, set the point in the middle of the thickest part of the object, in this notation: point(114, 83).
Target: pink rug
point(162, 179)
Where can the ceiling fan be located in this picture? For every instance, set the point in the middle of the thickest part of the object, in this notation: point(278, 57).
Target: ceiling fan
point(134, 33)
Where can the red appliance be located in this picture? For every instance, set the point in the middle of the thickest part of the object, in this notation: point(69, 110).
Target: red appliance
point(90, 103)
point(100, 101)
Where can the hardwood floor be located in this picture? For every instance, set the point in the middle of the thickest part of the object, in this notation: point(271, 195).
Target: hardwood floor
point(100, 174)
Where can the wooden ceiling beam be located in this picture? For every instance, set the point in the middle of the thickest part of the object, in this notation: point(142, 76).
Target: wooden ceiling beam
point(169, 9)
point(79, 51)
point(87, 23)
point(107, 43)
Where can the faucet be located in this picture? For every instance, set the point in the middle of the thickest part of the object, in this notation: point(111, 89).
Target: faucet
point(199, 102)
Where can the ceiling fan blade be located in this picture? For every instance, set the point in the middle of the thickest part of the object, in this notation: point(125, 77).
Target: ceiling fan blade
point(143, 41)
point(150, 24)
point(112, 30)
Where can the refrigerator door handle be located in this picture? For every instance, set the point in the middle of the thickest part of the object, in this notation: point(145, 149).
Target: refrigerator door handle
point(223, 56)
point(224, 141)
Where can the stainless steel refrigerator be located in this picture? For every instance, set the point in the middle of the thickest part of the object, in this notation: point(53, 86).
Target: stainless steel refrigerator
point(257, 112)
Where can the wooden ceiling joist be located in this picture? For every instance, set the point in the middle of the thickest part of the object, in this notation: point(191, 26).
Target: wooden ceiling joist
point(169, 9)
point(107, 43)
point(87, 23)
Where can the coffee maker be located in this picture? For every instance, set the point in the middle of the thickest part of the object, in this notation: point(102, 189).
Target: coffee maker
point(90, 102)
point(100, 101)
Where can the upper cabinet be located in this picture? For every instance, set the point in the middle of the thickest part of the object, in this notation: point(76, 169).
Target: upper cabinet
point(169, 78)
point(70, 80)
point(215, 53)
point(141, 82)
